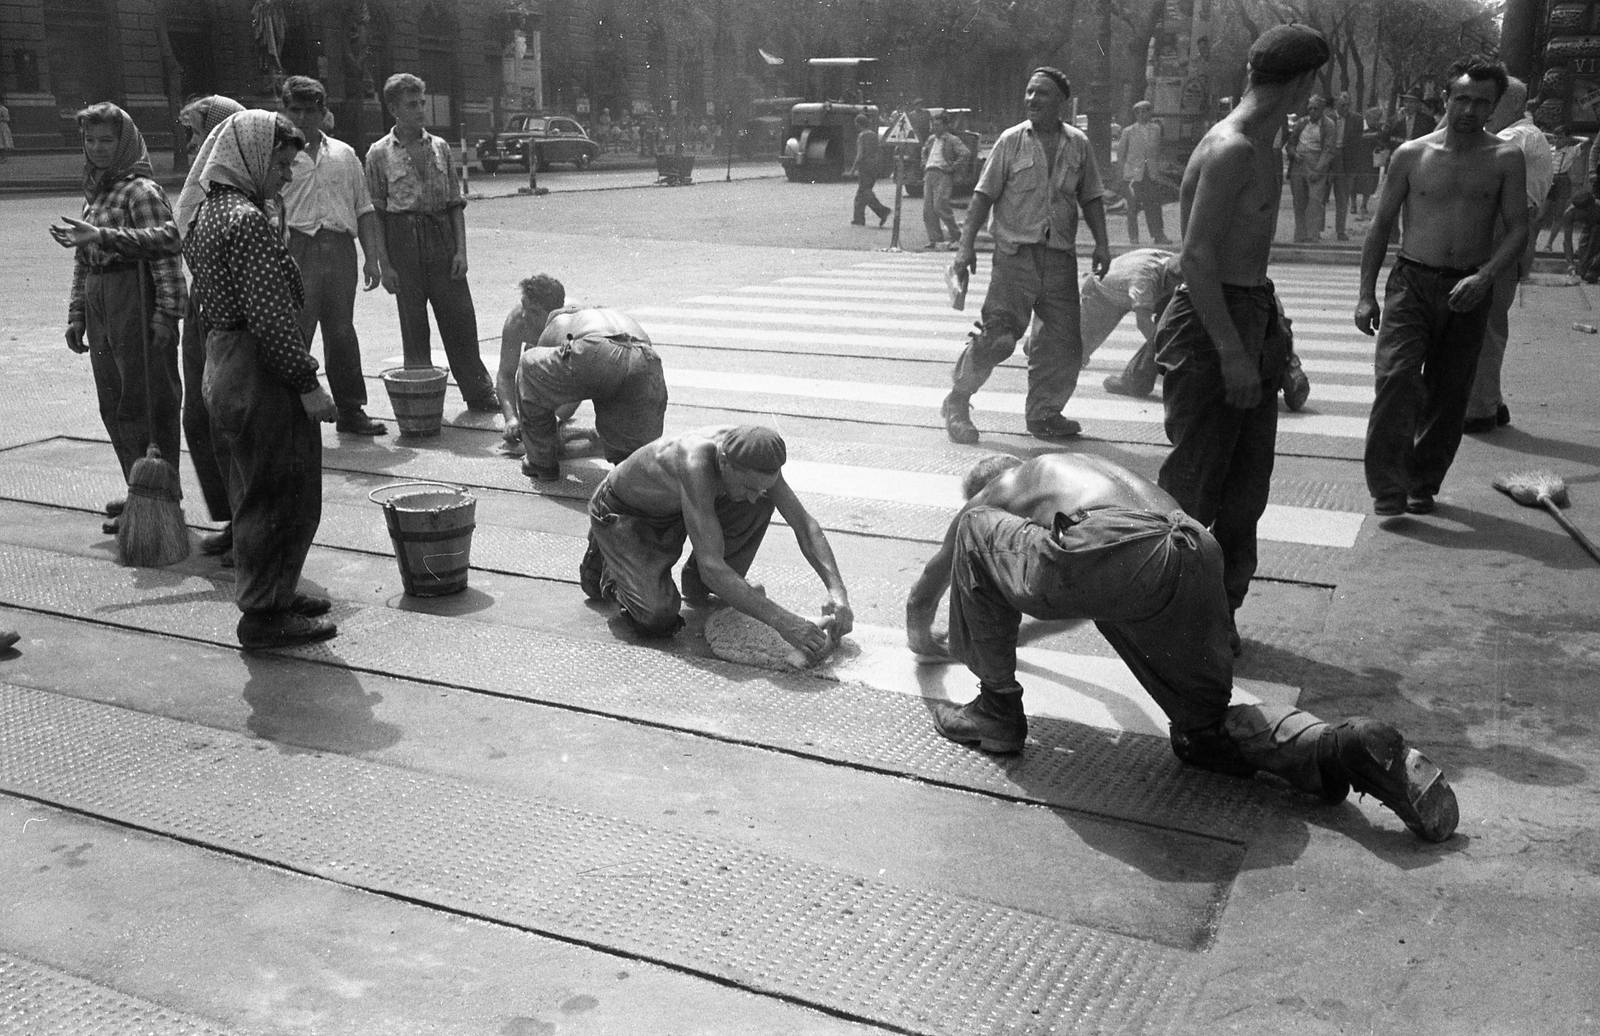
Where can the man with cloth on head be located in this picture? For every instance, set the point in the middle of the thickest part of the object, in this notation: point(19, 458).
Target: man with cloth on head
point(1039, 174)
point(717, 487)
point(1065, 536)
point(261, 383)
point(1222, 341)
point(1464, 194)
point(327, 207)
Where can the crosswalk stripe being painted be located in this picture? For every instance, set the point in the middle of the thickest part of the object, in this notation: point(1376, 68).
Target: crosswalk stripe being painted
point(929, 397)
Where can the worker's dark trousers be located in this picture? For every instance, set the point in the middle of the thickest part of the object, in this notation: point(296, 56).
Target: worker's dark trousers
point(274, 453)
point(208, 467)
point(117, 346)
point(1152, 583)
point(421, 252)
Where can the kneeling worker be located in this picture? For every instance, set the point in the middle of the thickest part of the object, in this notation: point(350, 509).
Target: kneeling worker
point(717, 487)
point(596, 354)
point(1074, 537)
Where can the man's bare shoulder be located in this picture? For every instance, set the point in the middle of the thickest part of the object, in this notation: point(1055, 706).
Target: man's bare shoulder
point(1223, 145)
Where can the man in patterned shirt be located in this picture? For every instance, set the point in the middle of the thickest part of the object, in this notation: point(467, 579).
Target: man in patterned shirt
point(326, 207)
point(261, 380)
point(422, 240)
point(135, 367)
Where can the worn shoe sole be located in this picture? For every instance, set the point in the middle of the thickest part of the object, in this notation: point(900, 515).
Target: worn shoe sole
point(1382, 765)
point(310, 605)
point(1419, 505)
point(311, 633)
point(945, 713)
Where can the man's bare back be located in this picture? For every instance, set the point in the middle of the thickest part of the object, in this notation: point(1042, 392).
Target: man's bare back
point(1063, 482)
point(653, 479)
point(1238, 179)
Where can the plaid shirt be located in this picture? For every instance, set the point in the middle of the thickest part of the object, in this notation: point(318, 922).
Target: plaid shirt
point(134, 208)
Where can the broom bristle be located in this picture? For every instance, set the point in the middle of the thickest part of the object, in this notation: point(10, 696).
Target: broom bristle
point(151, 532)
point(1531, 487)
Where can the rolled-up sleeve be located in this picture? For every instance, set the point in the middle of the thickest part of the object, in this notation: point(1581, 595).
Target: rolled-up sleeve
point(1090, 186)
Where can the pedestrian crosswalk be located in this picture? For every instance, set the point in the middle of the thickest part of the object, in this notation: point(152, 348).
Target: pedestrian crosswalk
point(873, 341)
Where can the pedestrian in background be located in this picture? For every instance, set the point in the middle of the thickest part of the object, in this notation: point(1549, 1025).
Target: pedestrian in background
point(1346, 161)
point(1566, 159)
point(422, 240)
point(1486, 406)
point(1040, 173)
point(135, 363)
point(261, 380)
point(865, 169)
point(942, 152)
point(1312, 153)
point(326, 206)
point(1414, 120)
point(1140, 145)
point(1372, 155)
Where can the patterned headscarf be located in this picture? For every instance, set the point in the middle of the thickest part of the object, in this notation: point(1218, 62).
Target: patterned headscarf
point(132, 158)
point(205, 114)
point(237, 153)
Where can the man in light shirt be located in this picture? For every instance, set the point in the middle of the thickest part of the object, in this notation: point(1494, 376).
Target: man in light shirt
point(1486, 409)
point(942, 153)
point(1140, 146)
point(326, 207)
point(1313, 152)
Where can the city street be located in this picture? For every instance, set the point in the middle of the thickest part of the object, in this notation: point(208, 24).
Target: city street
point(499, 813)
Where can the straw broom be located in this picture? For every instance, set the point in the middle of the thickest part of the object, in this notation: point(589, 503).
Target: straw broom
point(1547, 490)
point(151, 531)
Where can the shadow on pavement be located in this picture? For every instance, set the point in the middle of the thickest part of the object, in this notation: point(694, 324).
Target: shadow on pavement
point(1549, 547)
point(303, 707)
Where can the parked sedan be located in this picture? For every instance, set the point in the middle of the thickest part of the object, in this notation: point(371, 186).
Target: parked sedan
point(554, 138)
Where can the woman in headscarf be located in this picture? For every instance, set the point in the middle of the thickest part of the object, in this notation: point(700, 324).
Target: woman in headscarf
point(261, 383)
point(198, 118)
point(135, 366)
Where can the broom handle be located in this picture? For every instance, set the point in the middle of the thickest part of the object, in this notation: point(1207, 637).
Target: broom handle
point(1566, 523)
point(144, 333)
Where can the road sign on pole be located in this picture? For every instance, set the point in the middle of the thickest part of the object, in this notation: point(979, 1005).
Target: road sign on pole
point(901, 132)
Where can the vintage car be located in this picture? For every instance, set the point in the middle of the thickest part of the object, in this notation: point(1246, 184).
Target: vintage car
point(555, 138)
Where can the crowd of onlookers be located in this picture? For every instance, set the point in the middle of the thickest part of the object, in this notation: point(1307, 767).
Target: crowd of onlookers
point(645, 134)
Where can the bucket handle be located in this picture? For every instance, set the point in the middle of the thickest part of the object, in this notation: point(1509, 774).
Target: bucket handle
point(373, 496)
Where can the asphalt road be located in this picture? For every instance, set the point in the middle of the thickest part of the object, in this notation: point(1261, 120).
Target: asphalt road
point(494, 813)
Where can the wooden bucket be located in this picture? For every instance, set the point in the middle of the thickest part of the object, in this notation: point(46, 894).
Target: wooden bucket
point(417, 396)
point(431, 526)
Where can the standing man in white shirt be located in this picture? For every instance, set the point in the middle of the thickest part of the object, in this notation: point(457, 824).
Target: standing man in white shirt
point(942, 153)
point(326, 207)
point(1140, 145)
point(1486, 409)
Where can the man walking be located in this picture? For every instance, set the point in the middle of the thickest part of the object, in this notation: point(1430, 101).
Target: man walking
point(1222, 340)
point(1075, 537)
point(326, 207)
point(942, 153)
point(1452, 185)
point(866, 171)
point(1040, 173)
point(1486, 407)
point(1313, 143)
point(422, 240)
point(1140, 146)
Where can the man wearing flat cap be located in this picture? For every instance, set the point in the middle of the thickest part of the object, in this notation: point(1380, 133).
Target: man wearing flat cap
point(1040, 173)
point(718, 488)
point(1222, 341)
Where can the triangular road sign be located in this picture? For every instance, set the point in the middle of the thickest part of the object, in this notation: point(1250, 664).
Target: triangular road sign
point(901, 132)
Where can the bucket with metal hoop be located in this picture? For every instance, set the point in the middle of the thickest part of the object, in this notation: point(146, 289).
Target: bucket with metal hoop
point(417, 396)
point(431, 525)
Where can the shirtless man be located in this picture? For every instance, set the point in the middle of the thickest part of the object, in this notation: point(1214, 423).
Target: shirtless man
point(542, 295)
point(718, 487)
point(1222, 341)
point(1064, 536)
point(1452, 184)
